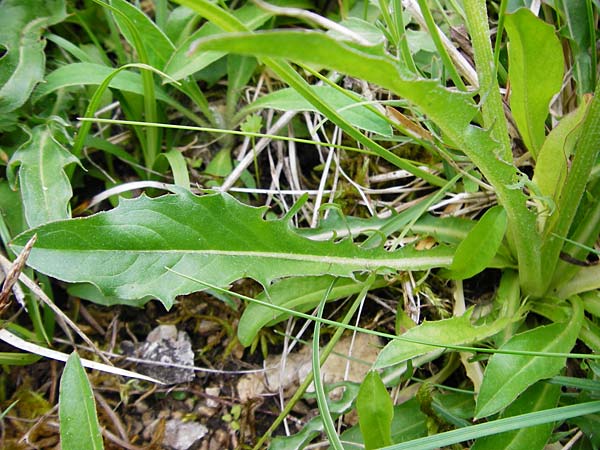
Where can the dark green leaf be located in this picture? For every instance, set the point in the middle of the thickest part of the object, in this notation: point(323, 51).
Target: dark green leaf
point(132, 251)
point(23, 63)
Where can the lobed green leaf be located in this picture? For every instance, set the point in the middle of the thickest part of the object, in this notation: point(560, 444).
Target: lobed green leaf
point(44, 185)
point(133, 251)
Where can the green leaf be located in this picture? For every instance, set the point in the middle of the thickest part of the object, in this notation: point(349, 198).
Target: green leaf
point(581, 32)
point(79, 427)
point(158, 46)
point(133, 251)
point(476, 251)
point(535, 70)
point(506, 376)
point(539, 397)
point(553, 159)
point(355, 113)
point(23, 63)
point(375, 412)
point(408, 423)
point(451, 332)
point(181, 64)
point(44, 185)
point(84, 74)
point(298, 293)
point(178, 167)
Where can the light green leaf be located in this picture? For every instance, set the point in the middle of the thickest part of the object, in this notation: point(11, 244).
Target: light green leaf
point(408, 423)
point(178, 167)
point(158, 46)
point(453, 331)
point(535, 70)
point(44, 185)
point(551, 165)
point(133, 251)
point(23, 63)
point(375, 412)
point(481, 244)
point(355, 113)
point(539, 397)
point(506, 376)
point(84, 74)
point(298, 293)
point(79, 427)
point(181, 64)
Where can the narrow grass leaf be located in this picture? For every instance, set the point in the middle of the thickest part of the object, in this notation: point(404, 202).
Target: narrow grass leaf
point(132, 251)
point(476, 251)
point(535, 70)
point(298, 293)
point(79, 427)
point(375, 412)
point(355, 113)
point(506, 375)
point(43, 183)
point(498, 426)
point(541, 396)
point(23, 60)
point(453, 331)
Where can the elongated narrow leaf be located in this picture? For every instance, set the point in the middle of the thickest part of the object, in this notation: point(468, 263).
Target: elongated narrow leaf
point(454, 331)
point(158, 45)
point(355, 113)
point(134, 250)
point(23, 61)
point(79, 427)
point(506, 376)
point(84, 74)
point(535, 69)
point(481, 244)
point(44, 185)
point(181, 64)
point(298, 293)
point(538, 397)
point(375, 412)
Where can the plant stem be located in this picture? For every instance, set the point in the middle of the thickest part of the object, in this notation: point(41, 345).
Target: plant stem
point(491, 102)
point(522, 230)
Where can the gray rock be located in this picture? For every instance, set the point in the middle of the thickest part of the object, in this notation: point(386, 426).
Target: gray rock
point(183, 435)
point(173, 349)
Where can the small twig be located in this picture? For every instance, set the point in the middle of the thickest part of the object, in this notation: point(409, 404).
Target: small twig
point(13, 273)
point(39, 293)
